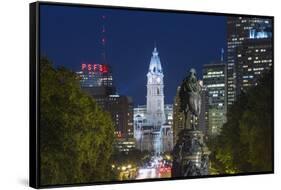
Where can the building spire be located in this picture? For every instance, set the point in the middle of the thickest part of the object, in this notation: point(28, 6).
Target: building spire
point(155, 64)
point(222, 54)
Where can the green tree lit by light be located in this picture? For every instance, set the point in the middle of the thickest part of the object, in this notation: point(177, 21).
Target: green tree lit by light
point(76, 136)
point(245, 143)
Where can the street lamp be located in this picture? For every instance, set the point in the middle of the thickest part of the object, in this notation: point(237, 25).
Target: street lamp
point(123, 168)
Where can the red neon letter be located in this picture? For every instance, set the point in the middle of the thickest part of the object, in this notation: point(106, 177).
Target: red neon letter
point(95, 67)
point(83, 66)
point(101, 68)
point(105, 69)
point(89, 67)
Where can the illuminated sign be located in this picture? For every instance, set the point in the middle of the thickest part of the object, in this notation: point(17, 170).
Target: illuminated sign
point(253, 34)
point(100, 68)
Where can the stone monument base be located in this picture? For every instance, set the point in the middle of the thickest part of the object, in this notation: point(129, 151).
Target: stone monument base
point(190, 154)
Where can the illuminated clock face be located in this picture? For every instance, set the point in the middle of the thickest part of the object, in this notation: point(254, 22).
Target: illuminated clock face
point(158, 80)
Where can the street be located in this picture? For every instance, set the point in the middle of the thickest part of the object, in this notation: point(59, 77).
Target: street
point(149, 173)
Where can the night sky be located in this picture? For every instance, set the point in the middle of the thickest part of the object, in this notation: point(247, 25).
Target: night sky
point(71, 35)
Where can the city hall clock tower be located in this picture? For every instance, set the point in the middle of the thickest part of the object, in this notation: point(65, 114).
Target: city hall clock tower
point(155, 91)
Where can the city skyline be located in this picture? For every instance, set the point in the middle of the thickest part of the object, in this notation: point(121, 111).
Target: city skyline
point(79, 32)
point(149, 94)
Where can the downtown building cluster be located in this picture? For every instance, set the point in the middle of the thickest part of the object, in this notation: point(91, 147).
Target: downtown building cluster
point(248, 56)
point(145, 127)
point(154, 127)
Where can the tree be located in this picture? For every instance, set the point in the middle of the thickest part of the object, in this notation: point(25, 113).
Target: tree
point(245, 143)
point(76, 136)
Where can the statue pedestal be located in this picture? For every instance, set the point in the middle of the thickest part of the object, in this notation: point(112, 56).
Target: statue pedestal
point(190, 154)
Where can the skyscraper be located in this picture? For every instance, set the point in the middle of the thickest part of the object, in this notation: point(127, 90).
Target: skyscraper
point(214, 81)
point(253, 59)
point(121, 110)
point(97, 81)
point(240, 31)
point(95, 75)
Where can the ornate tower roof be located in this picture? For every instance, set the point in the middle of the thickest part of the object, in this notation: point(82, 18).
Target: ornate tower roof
point(155, 64)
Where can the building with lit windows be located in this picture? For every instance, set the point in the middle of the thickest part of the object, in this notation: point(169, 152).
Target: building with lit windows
point(147, 134)
point(125, 144)
point(242, 32)
point(253, 59)
point(121, 111)
point(92, 75)
point(140, 117)
point(96, 80)
point(214, 81)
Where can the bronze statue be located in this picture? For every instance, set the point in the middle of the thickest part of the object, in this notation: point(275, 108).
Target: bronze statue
point(190, 154)
point(190, 97)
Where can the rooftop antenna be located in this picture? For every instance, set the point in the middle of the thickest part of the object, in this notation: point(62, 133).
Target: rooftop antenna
point(103, 40)
point(155, 48)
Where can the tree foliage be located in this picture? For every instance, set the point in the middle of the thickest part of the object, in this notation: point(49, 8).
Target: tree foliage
point(76, 136)
point(245, 143)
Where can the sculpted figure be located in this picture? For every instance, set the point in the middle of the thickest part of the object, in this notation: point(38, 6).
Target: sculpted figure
point(190, 97)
